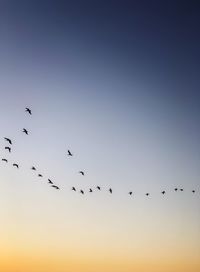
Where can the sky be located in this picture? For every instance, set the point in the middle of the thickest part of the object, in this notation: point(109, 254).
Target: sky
point(117, 83)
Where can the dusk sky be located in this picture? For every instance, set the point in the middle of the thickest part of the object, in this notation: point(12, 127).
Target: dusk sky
point(117, 83)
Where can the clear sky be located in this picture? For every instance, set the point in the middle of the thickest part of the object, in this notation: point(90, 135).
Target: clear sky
point(117, 83)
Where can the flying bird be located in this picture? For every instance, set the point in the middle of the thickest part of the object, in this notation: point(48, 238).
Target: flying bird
point(33, 168)
point(130, 193)
point(8, 140)
point(82, 192)
point(181, 190)
point(25, 131)
point(110, 190)
point(28, 110)
point(90, 190)
point(74, 189)
point(50, 182)
point(193, 191)
point(82, 173)
point(16, 165)
point(163, 192)
point(39, 175)
point(176, 189)
point(8, 148)
point(5, 160)
point(147, 194)
point(69, 153)
point(99, 188)
point(56, 187)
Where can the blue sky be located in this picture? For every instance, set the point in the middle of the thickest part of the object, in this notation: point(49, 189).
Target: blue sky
point(117, 84)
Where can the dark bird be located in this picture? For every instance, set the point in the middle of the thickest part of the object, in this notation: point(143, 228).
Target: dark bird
point(50, 182)
point(69, 153)
point(181, 190)
point(33, 168)
point(147, 194)
point(90, 190)
point(81, 191)
point(74, 189)
point(56, 187)
point(8, 148)
point(163, 192)
point(5, 160)
point(193, 191)
point(99, 188)
point(176, 189)
point(28, 110)
point(8, 140)
point(25, 131)
point(82, 173)
point(16, 165)
point(130, 193)
point(39, 175)
point(110, 190)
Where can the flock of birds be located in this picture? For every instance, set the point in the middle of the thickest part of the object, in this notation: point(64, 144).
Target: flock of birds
point(69, 153)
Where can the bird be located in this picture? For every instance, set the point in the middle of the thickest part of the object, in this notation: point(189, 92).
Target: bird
point(50, 182)
point(99, 188)
point(130, 193)
point(193, 191)
point(176, 189)
point(39, 175)
point(82, 173)
point(82, 192)
point(69, 153)
point(25, 131)
point(16, 165)
point(181, 190)
point(56, 187)
point(5, 160)
point(8, 148)
point(28, 110)
point(147, 194)
point(163, 192)
point(8, 140)
point(74, 189)
point(110, 190)
point(90, 190)
point(33, 168)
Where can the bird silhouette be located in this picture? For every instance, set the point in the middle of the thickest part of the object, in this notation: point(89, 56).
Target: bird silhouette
point(163, 192)
point(16, 165)
point(5, 160)
point(39, 175)
point(90, 190)
point(82, 192)
point(99, 188)
point(33, 168)
point(147, 194)
point(181, 190)
point(56, 187)
point(50, 182)
point(8, 148)
point(69, 153)
point(25, 131)
point(74, 189)
point(28, 110)
point(8, 140)
point(110, 190)
point(130, 193)
point(193, 191)
point(82, 173)
point(176, 189)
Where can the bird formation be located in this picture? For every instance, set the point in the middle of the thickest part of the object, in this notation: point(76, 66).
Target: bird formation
point(69, 153)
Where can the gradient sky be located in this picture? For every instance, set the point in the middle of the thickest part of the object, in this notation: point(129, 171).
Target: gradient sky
point(117, 83)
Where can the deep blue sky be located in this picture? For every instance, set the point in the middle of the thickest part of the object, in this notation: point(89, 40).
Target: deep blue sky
point(117, 83)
